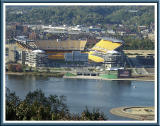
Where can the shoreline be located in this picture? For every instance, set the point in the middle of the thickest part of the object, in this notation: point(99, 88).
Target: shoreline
point(141, 113)
point(99, 78)
point(58, 74)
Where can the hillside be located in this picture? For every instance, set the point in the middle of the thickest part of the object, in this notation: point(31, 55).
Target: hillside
point(86, 15)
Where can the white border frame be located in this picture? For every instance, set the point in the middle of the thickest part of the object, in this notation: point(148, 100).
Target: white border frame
point(79, 4)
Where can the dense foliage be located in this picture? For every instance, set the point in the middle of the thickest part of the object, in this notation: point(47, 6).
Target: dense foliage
point(88, 15)
point(138, 44)
point(36, 106)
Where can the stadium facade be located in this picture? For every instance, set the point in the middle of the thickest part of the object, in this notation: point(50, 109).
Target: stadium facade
point(60, 50)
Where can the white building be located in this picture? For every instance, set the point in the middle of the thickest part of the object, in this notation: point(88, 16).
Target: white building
point(36, 58)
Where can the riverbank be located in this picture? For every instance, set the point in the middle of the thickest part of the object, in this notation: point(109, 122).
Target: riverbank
point(56, 74)
point(60, 74)
point(100, 78)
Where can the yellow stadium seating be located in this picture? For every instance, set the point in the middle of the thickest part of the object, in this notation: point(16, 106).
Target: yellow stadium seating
point(105, 46)
point(56, 57)
point(95, 58)
point(102, 46)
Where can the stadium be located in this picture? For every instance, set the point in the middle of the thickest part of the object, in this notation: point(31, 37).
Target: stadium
point(107, 51)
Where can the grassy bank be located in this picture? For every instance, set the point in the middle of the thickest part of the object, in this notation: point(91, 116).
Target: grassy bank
point(100, 78)
point(55, 74)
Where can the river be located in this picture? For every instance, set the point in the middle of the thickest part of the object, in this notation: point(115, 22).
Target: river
point(80, 93)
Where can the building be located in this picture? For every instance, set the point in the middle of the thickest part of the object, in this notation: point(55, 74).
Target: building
point(16, 53)
point(11, 53)
point(21, 58)
point(36, 58)
point(111, 32)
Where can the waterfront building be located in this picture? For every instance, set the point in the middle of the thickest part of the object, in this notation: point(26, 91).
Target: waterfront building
point(36, 58)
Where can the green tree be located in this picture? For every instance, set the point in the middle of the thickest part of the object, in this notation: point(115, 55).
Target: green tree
point(94, 115)
point(12, 101)
point(36, 106)
point(88, 15)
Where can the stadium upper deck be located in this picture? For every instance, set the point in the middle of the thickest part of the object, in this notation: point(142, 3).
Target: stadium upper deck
point(104, 46)
point(61, 45)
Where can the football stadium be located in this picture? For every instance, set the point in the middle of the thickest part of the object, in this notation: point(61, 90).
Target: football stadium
point(107, 51)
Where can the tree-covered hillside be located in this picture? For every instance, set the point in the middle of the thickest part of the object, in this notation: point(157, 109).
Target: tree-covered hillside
point(86, 15)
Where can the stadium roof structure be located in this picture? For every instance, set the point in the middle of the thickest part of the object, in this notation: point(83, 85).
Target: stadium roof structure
point(61, 45)
point(38, 51)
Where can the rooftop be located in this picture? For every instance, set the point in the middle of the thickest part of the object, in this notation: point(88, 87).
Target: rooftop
point(38, 51)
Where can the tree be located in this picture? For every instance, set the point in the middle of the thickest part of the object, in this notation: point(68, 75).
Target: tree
point(94, 115)
point(90, 15)
point(12, 101)
point(19, 68)
point(11, 67)
point(36, 106)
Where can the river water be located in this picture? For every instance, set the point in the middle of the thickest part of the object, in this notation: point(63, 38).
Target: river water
point(79, 93)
